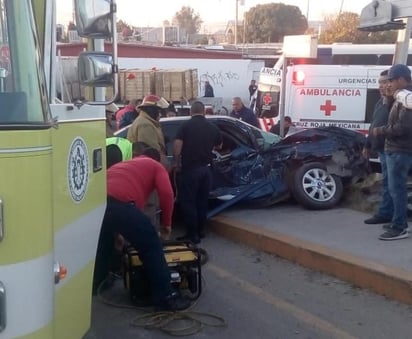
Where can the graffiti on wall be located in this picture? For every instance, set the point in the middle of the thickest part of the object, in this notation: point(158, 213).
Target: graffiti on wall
point(219, 78)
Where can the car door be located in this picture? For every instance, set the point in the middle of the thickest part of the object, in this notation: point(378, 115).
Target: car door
point(239, 162)
point(170, 128)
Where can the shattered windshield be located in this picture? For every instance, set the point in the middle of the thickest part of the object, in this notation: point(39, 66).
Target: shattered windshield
point(265, 139)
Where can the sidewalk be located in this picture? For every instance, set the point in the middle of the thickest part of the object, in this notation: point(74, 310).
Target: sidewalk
point(335, 242)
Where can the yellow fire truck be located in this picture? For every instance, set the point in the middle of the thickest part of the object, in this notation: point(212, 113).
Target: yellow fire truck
point(52, 177)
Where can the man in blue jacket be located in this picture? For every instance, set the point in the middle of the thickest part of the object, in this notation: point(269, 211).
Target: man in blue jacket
point(243, 113)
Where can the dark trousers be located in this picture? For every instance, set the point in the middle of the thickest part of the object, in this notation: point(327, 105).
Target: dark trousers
point(135, 227)
point(193, 194)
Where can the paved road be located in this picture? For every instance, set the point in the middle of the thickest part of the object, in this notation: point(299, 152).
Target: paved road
point(262, 296)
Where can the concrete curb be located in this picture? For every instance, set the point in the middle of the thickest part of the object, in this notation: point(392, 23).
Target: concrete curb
point(385, 280)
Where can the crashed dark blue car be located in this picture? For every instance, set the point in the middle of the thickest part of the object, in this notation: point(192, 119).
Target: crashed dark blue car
point(260, 168)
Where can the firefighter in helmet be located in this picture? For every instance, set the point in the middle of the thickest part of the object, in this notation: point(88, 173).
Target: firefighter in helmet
point(146, 127)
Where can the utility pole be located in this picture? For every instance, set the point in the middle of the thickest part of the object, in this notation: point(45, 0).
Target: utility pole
point(236, 16)
point(341, 6)
point(242, 2)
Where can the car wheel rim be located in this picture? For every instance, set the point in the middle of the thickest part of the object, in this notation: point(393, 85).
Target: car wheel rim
point(319, 185)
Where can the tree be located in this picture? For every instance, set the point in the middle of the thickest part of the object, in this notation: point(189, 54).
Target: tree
point(122, 26)
point(188, 20)
point(344, 28)
point(271, 22)
point(127, 31)
point(71, 26)
point(202, 40)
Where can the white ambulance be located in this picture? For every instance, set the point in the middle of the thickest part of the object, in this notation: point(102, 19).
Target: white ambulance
point(322, 95)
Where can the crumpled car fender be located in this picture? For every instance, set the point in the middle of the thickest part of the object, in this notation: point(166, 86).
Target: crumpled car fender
point(339, 149)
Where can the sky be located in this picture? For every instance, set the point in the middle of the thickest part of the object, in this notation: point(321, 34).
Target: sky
point(154, 12)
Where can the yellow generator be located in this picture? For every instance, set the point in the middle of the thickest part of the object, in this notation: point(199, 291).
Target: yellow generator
point(184, 261)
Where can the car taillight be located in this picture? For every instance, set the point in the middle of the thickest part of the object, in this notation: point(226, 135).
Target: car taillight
point(298, 78)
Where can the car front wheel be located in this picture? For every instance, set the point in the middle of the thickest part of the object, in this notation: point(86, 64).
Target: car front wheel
point(314, 188)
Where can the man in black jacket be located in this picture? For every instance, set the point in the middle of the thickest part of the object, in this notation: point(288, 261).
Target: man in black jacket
point(398, 151)
point(208, 90)
point(275, 129)
point(375, 145)
point(252, 88)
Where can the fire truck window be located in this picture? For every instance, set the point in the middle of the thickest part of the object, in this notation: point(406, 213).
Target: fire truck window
point(372, 97)
point(15, 104)
point(21, 83)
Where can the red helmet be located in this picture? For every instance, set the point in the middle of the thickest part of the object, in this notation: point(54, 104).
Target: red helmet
point(154, 100)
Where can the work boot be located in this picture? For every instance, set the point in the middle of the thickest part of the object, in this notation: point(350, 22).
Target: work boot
point(173, 302)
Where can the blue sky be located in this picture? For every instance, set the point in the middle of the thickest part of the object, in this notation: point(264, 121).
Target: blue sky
point(154, 12)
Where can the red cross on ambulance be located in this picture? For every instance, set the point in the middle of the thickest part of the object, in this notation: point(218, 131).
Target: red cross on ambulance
point(267, 99)
point(328, 108)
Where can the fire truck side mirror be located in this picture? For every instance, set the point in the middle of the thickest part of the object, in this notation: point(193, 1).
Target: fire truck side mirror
point(94, 18)
point(377, 16)
point(96, 69)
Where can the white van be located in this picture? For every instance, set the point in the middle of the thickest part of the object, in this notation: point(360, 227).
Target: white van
point(322, 95)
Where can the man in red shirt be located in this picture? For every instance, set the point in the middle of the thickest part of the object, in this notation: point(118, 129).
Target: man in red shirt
point(129, 184)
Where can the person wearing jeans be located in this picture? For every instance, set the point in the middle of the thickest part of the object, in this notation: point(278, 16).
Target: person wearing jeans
point(386, 205)
point(129, 184)
point(125, 219)
point(399, 165)
point(398, 151)
point(376, 144)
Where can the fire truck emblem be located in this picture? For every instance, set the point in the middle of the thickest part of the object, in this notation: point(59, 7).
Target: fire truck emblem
point(78, 169)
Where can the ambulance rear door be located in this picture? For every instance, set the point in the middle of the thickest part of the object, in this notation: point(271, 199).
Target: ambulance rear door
point(268, 94)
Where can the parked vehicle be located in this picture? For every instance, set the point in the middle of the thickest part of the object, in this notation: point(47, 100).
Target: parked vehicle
point(321, 95)
point(260, 168)
point(52, 197)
